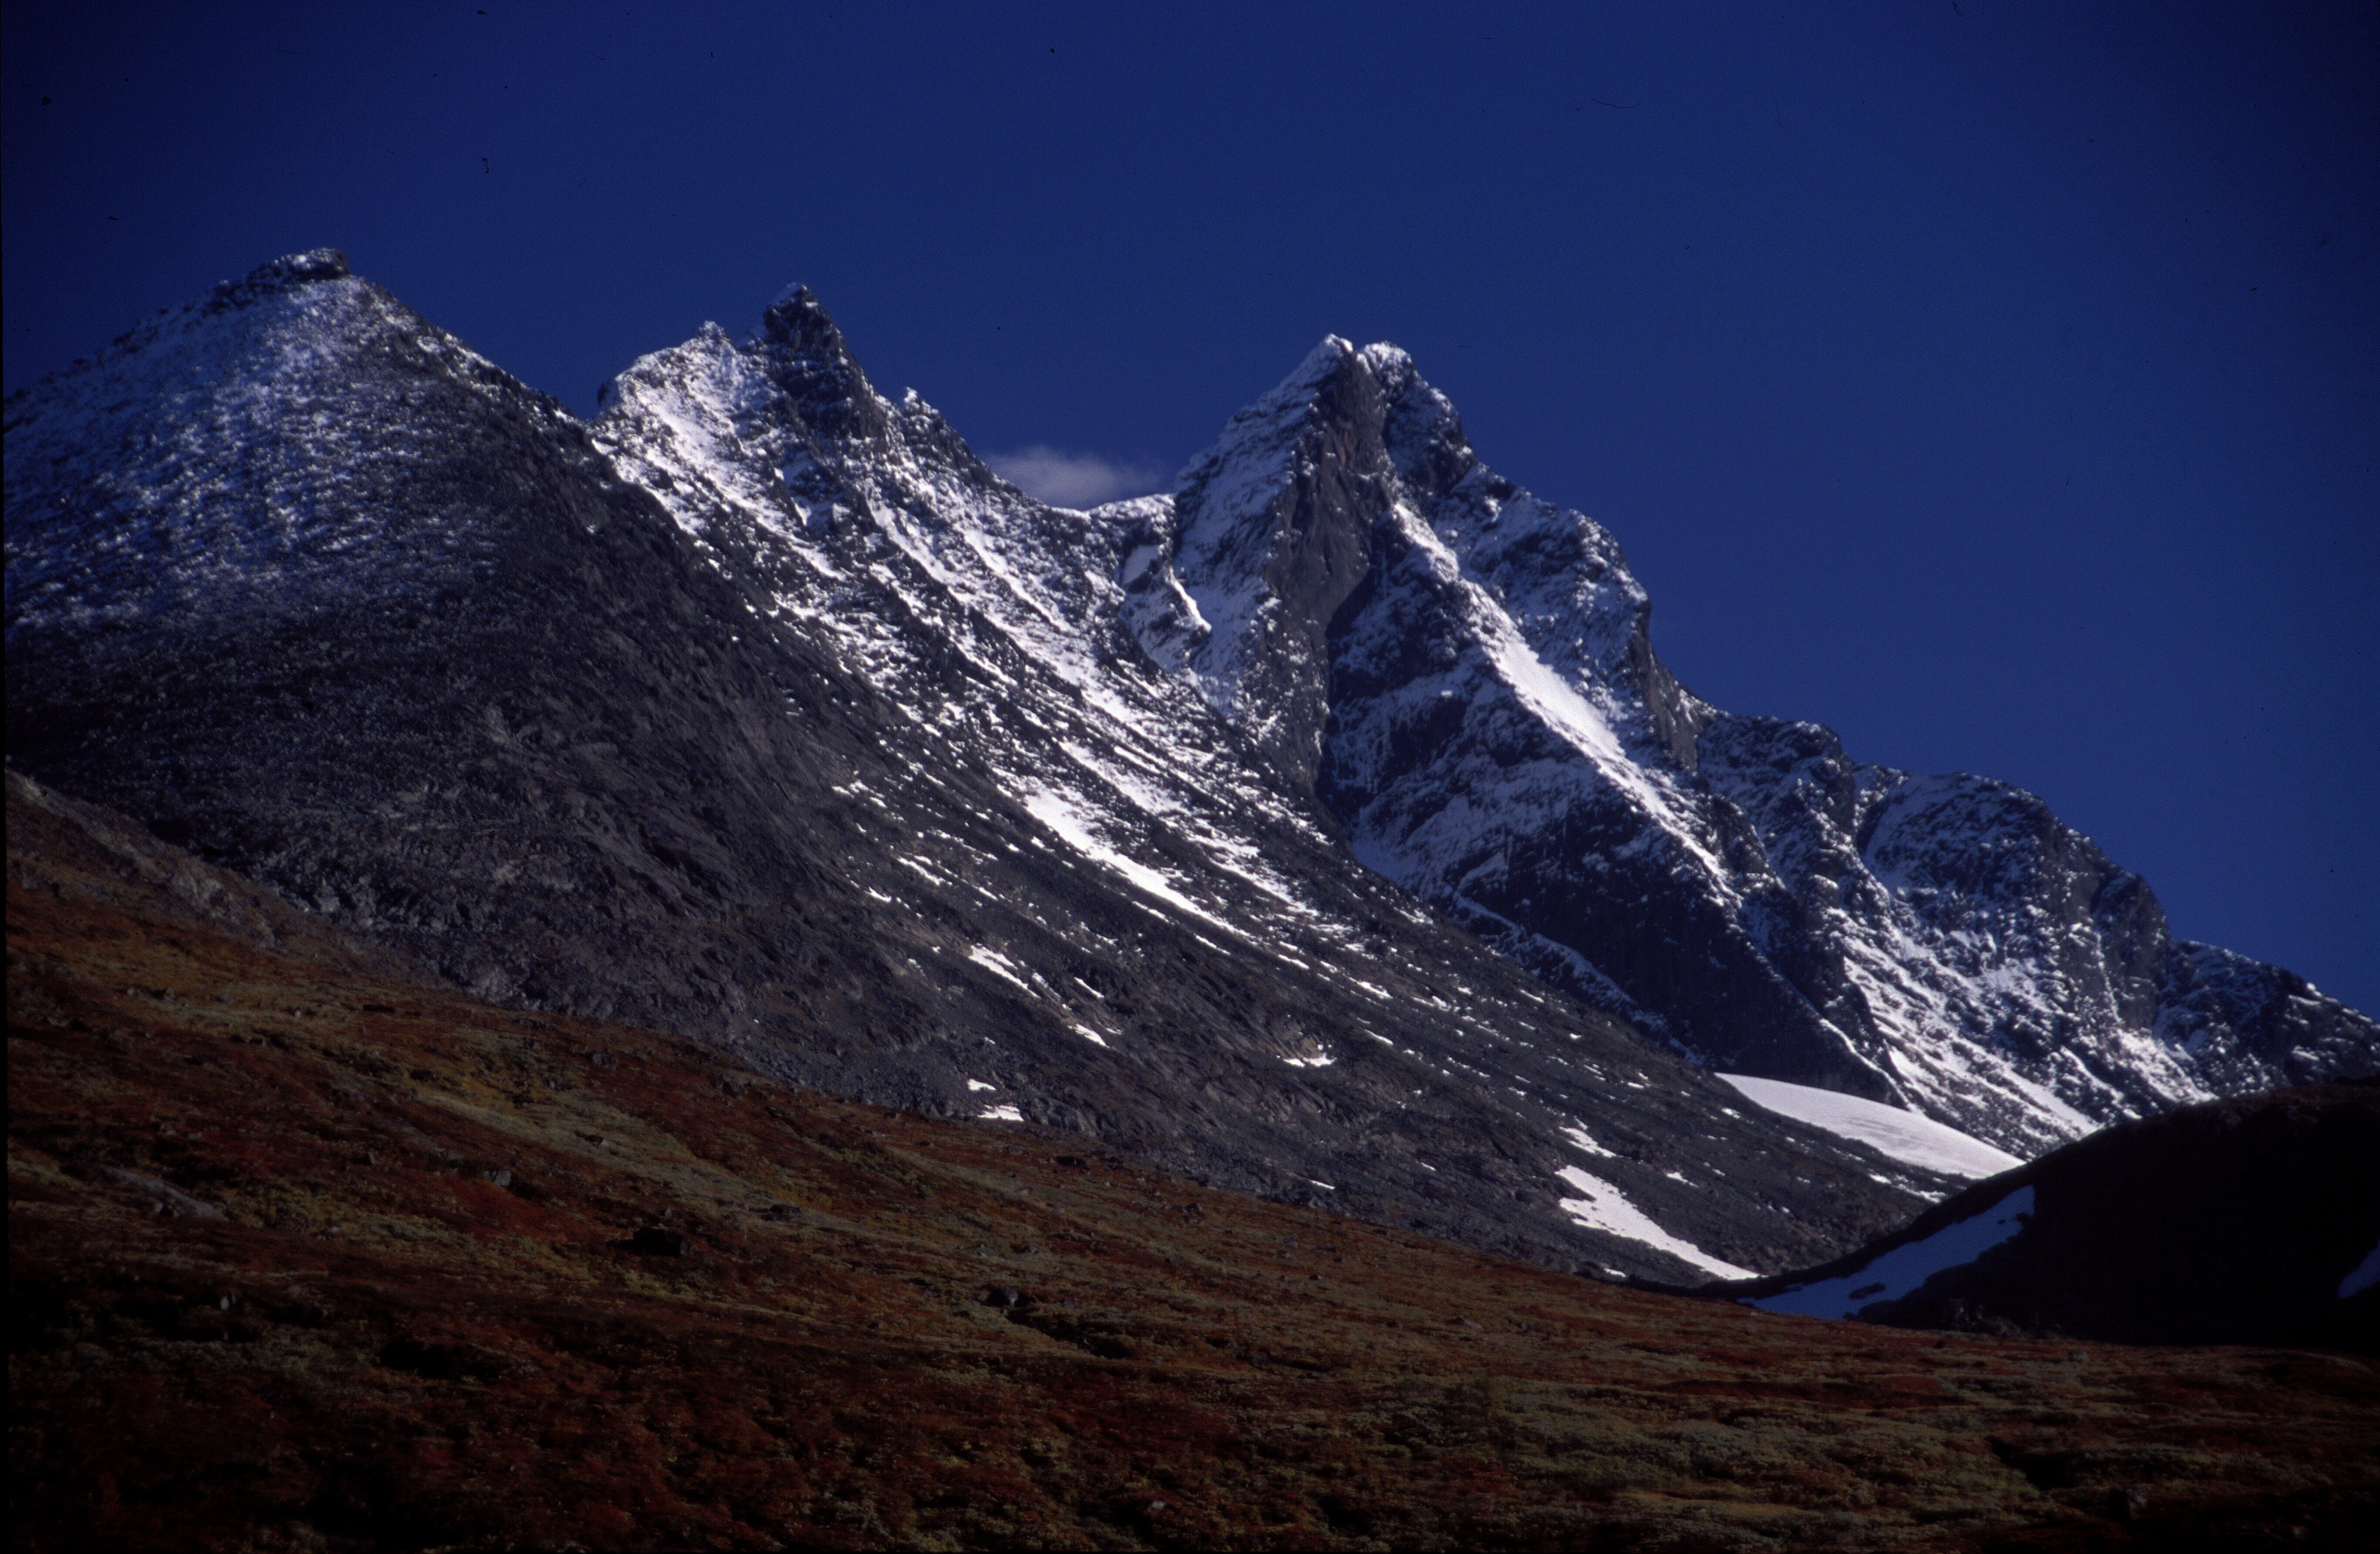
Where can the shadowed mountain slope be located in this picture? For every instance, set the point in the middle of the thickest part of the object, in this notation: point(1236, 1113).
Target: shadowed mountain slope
point(2248, 1220)
point(308, 1252)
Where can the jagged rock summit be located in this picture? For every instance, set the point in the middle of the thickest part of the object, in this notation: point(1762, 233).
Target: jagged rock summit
point(1465, 676)
point(759, 710)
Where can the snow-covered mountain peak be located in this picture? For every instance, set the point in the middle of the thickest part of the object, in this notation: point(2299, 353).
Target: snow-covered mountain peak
point(1288, 402)
point(761, 690)
point(1484, 712)
point(314, 264)
point(799, 319)
point(266, 379)
point(1267, 533)
point(1424, 433)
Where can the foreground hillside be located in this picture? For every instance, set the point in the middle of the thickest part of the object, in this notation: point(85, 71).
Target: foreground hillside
point(2248, 1220)
point(306, 1252)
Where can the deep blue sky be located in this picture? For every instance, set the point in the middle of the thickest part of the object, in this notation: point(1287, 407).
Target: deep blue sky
point(1998, 383)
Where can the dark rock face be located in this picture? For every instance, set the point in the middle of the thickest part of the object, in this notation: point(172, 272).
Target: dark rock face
point(2248, 1220)
point(1432, 757)
point(760, 712)
point(1269, 565)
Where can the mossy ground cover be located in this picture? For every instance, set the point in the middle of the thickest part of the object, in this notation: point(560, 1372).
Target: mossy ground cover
point(309, 1255)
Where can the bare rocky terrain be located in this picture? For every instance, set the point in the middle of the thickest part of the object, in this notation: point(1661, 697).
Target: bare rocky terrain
point(308, 1250)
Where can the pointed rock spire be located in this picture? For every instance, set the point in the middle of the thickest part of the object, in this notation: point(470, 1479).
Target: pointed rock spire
point(809, 358)
point(1273, 534)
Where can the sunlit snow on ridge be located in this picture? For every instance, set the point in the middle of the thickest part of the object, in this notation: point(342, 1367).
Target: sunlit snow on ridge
point(1071, 827)
point(998, 965)
point(1581, 1139)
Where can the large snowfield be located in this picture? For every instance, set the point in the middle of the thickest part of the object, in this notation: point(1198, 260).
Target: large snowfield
point(1906, 1137)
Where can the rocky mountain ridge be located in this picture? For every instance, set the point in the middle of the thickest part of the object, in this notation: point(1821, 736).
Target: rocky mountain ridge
point(1468, 673)
point(777, 752)
point(759, 710)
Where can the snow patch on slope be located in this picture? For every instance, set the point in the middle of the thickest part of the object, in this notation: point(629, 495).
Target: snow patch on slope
point(998, 965)
point(1069, 825)
point(1602, 1206)
point(1905, 1268)
point(1907, 1136)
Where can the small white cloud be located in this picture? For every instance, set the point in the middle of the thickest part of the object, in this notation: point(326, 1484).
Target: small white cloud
point(1065, 480)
